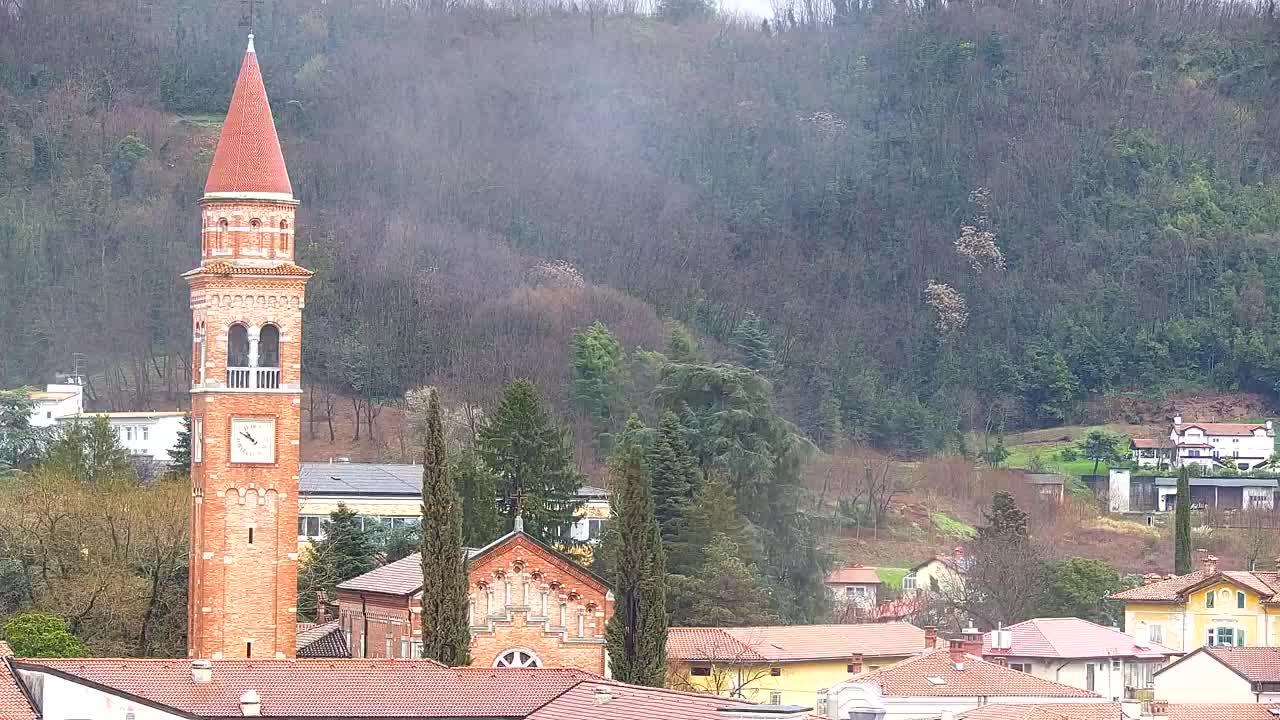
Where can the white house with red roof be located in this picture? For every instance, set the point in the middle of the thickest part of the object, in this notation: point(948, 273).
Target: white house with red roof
point(1081, 654)
point(854, 586)
point(1222, 674)
point(1247, 445)
point(944, 683)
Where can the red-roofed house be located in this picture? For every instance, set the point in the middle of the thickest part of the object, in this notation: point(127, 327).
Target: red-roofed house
point(153, 689)
point(1220, 711)
point(855, 586)
point(946, 681)
point(15, 704)
point(1056, 711)
point(1079, 653)
point(531, 606)
point(787, 663)
point(1208, 444)
point(1222, 675)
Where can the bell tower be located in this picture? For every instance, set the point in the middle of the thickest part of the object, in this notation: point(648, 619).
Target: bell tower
point(246, 307)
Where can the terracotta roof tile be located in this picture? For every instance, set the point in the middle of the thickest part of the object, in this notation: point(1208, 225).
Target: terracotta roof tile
point(1222, 428)
point(329, 688)
point(854, 574)
point(1223, 711)
point(629, 702)
point(1150, 443)
point(248, 158)
point(321, 641)
point(402, 577)
point(934, 674)
point(1257, 664)
point(792, 643)
point(226, 268)
point(1070, 638)
point(14, 704)
point(1054, 711)
point(1165, 590)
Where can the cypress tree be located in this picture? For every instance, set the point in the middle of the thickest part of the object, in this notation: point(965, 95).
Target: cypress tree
point(675, 472)
point(533, 463)
point(446, 635)
point(637, 632)
point(1182, 525)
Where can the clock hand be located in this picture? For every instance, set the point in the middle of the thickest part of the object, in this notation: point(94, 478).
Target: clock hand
point(248, 437)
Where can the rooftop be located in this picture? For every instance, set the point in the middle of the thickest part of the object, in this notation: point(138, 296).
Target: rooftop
point(617, 701)
point(1054, 711)
point(1175, 589)
point(934, 674)
point(14, 704)
point(1151, 443)
point(1238, 481)
point(1223, 711)
point(321, 641)
point(248, 159)
point(1217, 428)
point(1255, 664)
point(793, 643)
point(377, 479)
point(226, 268)
point(326, 688)
point(1070, 638)
point(855, 574)
point(130, 415)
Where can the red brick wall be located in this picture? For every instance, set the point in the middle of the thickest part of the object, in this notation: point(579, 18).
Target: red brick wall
point(243, 595)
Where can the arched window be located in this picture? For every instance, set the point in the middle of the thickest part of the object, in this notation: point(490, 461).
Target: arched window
point(269, 346)
point(255, 234)
point(220, 241)
point(238, 346)
point(519, 658)
point(284, 236)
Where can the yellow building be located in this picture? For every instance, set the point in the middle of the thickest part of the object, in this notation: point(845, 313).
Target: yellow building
point(1205, 608)
point(786, 665)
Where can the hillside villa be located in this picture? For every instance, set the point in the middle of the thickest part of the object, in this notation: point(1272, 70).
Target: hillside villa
point(785, 664)
point(1081, 654)
point(854, 586)
point(1222, 675)
point(1206, 607)
point(1209, 445)
point(937, 573)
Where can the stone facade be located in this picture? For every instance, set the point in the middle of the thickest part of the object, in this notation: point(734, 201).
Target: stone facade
point(525, 597)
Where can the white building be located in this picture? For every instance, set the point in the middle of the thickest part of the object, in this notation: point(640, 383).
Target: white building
point(146, 435)
point(55, 402)
point(1081, 654)
point(1247, 445)
point(1222, 675)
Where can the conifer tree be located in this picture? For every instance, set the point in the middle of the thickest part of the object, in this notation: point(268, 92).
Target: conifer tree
point(446, 635)
point(681, 347)
point(714, 511)
point(597, 377)
point(345, 551)
point(1182, 525)
point(1006, 520)
point(750, 339)
point(180, 455)
point(478, 492)
point(675, 472)
point(637, 632)
point(532, 460)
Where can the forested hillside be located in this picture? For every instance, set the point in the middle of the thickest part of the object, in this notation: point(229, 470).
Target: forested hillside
point(948, 216)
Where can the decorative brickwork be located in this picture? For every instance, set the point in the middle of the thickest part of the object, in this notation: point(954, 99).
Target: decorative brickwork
point(246, 306)
point(526, 598)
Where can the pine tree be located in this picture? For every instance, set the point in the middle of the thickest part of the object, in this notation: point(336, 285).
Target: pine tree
point(637, 632)
point(478, 491)
point(1006, 519)
point(750, 339)
point(597, 377)
point(446, 634)
point(681, 347)
point(533, 462)
point(727, 591)
point(180, 455)
point(346, 551)
point(1182, 525)
point(675, 472)
point(90, 452)
point(714, 511)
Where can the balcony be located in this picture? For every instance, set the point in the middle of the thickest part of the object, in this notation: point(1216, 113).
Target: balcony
point(253, 378)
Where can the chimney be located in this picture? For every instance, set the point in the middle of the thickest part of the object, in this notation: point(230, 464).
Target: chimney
point(320, 608)
point(855, 664)
point(250, 703)
point(956, 649)
point(1210, 564)
point(1150, 578)
point(201, 672)
point(972, 640)
point(1269, 425)
point(931, 631)
point(1001, 639)
point(603, 695)
point(1177, 419)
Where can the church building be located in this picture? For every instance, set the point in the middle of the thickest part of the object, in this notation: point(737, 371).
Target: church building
point(246, 306)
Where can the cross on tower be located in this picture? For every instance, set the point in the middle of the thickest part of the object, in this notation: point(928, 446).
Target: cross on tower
point(249, 9)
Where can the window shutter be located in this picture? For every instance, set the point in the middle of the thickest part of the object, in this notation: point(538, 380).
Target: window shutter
point(1239, 637)
point(1211, 639)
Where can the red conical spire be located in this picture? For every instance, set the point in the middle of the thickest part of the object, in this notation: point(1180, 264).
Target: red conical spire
point(248, 160)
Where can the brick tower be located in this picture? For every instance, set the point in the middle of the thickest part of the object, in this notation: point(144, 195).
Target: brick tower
point(246, 306)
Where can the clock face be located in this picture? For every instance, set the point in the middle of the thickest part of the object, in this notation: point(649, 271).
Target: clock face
point(253, 440)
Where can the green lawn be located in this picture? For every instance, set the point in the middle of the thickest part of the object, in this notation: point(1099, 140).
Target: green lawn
point(1020, 455)
point(951, 527)
point(891, 577)
point(204, 120)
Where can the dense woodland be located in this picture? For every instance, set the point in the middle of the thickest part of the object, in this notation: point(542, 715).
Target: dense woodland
point(941, 217)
